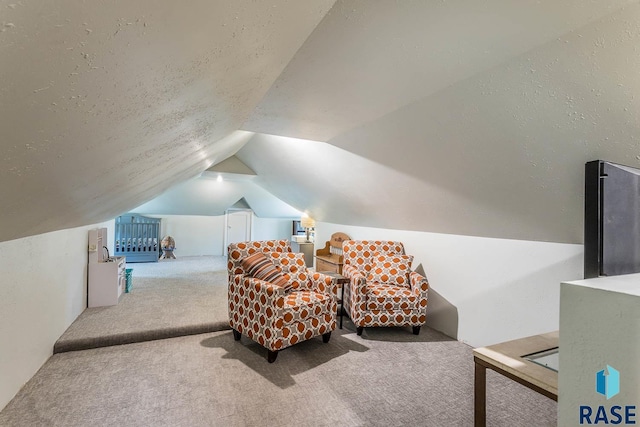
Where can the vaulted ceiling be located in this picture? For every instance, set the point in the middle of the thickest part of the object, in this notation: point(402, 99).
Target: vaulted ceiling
point(459, 117)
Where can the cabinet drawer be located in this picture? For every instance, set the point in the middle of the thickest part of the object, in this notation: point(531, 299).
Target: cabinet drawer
point(322, 265)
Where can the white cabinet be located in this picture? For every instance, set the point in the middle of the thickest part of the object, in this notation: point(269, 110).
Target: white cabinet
point(106, 282)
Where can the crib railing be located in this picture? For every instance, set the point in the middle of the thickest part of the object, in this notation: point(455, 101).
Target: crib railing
point(137, 238)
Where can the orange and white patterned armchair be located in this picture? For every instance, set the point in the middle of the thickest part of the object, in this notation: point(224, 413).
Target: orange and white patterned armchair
point(382, 289)
point(274, 299)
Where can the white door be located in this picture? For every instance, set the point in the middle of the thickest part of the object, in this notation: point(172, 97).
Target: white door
point(238, 227)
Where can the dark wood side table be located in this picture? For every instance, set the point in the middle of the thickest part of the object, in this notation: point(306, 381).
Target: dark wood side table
point(341, 281)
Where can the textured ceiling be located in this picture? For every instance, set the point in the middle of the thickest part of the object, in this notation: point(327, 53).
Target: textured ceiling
point(459, 117)
point(367, 59)
point(491, 146)
point(105, 105)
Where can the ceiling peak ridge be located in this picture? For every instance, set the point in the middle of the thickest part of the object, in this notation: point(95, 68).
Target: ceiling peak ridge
point(284, 68)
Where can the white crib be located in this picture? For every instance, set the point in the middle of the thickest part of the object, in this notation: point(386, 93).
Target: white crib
point(137, 238)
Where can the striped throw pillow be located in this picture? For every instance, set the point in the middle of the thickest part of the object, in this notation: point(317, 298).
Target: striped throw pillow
point(261, 267)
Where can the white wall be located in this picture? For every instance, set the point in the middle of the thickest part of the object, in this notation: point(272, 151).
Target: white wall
point(194, 235)
point(271, 228)
point(482, 290)
point(204, 235)
point(43, 290)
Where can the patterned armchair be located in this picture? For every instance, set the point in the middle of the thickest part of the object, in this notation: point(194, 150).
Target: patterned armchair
point(382, 291)
point(287, 305)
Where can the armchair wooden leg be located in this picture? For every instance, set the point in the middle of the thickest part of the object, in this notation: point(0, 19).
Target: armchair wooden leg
point(326, 337)
point(271, 356)
point(416, 330)
point(236, 335)
point(359, 330)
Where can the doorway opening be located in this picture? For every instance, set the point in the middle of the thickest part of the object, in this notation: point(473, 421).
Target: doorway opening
point(238, 224)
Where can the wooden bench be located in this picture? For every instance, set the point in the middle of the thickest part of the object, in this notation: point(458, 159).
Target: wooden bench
point(330, 258)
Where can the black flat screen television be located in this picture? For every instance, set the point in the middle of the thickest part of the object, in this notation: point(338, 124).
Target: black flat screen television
point(611, 219)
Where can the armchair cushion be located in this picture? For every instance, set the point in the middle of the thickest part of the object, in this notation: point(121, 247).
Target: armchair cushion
point(389, 297)
point(390, 268)
point(261, 267)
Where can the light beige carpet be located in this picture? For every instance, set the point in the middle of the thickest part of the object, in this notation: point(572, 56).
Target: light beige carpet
point(387, 377)
point(169, 298)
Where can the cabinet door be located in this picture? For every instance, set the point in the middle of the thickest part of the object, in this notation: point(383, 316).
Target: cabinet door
point(322, 265)
point(103, 284)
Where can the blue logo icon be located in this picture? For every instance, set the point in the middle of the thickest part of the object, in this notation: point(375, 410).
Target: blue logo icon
point(608, 384)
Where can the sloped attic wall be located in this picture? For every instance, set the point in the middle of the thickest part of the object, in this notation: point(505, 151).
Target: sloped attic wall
point(367, 59)
point(512, 142)
point(498, 154)
point(132, 101)
point(105, 105)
